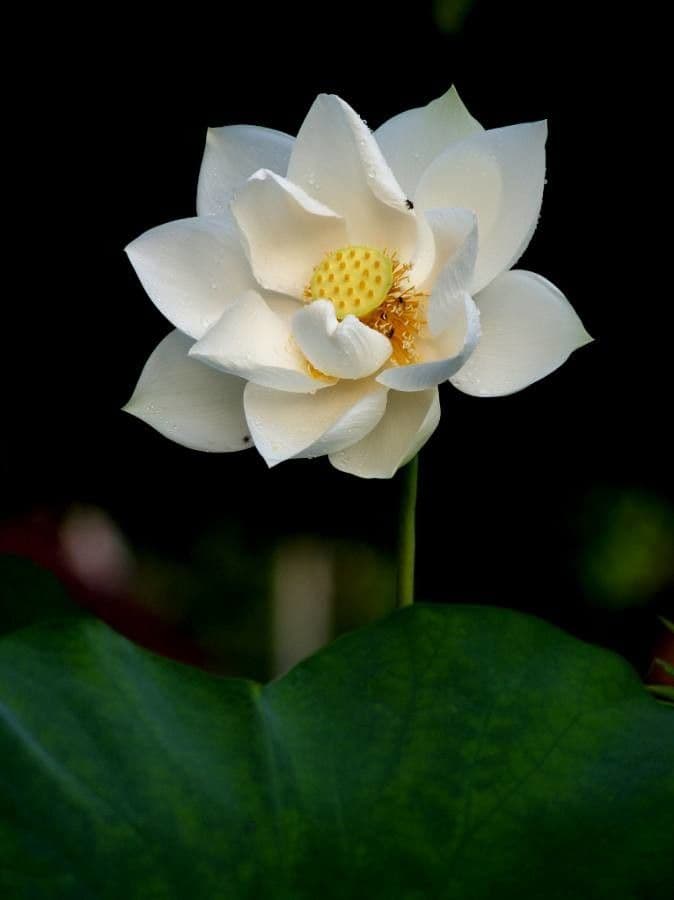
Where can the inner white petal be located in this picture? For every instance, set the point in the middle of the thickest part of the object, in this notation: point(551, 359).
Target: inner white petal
point(285, 231)
point(250, 340)
point(346, 349)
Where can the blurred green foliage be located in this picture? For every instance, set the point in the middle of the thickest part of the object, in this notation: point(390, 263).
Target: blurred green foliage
point(220, 593)
point(450, 15)
point(665, 666)
point(217, 593)
point(30, 594)
point(662, 692)
point(627, 547)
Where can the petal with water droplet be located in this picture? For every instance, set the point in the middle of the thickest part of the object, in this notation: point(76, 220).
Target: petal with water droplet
point(189, 402)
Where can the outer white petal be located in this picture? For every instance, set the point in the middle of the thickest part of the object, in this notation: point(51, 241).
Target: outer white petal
point(529, 329)
point(346, 349)
point(337, 160)
point(286, 232)
point(250, 340)
point(287, 425)
point(188, 402)
point(444, 355)
point(500, 175)
point(412, 139)
point(409, 422)
point(456, 243)
point(192, 269)
point(231, 156)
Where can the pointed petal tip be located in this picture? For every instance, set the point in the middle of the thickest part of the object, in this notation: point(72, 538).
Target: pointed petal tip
point(452, 95)
point(325, 95)
point(130, 248)
point(587, 339)
point(133, 408)
point(529, 330)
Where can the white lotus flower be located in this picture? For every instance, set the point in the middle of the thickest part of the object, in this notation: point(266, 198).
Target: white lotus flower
point(331, 282)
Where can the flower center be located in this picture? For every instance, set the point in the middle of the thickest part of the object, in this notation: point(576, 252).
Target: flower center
point(372, 285)
point(355, 279)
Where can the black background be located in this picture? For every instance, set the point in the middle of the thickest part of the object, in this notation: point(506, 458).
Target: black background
point(119, 102)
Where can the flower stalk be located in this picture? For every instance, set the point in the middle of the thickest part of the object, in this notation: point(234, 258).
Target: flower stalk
point(407, 534)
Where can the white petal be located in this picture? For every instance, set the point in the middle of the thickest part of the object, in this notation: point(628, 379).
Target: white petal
point(337, 160)
point(423, 259)
point(286, 232)
point(409, 422)
point(412, 139)
point(500, 175)
point(283, 305)
point(231, 156)
point(287, 425)
point(192, 269)
point(346, 349)
point(189, 402)
point(456, 246)
point(529, 329)
point(444, 355)
point(250, 340)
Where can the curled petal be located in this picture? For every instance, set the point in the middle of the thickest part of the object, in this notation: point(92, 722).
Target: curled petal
point(346, 349)
point(231, 156)
point(286, 426)
point(409, 421)
point(412, 139)
point(286, 232)
point(500, 175)
point(443, 355)
point(529, 329)
point(192, 269)
point(337, 160)
point(189, 402)
point(250, 340)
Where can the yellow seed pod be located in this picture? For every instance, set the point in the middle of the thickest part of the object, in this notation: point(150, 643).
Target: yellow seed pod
point(355, 279)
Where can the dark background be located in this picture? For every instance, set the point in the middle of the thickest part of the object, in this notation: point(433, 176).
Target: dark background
point(556, 500)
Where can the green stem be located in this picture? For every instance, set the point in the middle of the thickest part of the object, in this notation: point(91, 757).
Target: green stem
point(407, 534)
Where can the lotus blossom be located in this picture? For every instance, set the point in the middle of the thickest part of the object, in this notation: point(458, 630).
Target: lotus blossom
point(329, 283)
